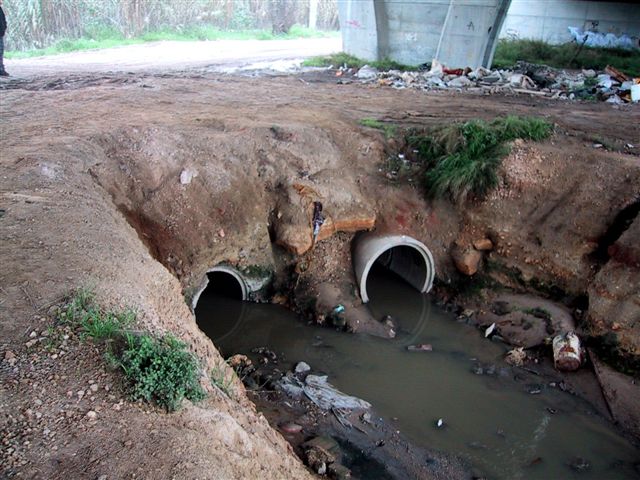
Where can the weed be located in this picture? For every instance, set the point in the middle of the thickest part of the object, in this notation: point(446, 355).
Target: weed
point(508, 52)
point(160, 370)
point(538, 312)
point(462, 160)
point(81, 310)
point(349, 61)
point(220, 379)
point(389, 130)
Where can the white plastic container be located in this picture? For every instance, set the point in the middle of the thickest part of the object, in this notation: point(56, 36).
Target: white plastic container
point(635, 93)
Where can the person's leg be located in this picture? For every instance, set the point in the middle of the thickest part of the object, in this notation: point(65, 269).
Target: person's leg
point(3, 72)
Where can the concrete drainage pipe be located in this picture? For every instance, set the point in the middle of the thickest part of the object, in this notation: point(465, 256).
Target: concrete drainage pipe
point(230, 274)
point(401, 254)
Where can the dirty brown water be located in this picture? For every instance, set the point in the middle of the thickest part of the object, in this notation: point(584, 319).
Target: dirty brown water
point(491, 420)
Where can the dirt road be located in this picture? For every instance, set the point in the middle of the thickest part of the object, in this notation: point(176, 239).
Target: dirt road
point(171, 56)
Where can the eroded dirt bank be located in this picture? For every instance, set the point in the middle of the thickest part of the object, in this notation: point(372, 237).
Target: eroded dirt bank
point(91, 194)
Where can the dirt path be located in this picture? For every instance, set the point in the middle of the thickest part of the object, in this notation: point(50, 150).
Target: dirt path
point(172, 56)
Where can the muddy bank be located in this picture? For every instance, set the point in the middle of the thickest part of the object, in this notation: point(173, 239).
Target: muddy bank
point(92, 194)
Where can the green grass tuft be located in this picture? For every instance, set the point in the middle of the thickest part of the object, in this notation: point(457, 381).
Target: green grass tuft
point(161, 370)
point(508, 52)
point(389, 130)
point(344, 59)
point(462, 160)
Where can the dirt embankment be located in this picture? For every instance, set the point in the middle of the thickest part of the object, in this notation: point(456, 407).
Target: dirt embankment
point(91, 194)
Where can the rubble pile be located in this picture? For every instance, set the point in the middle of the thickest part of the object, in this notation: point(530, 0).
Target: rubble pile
point(610, 85)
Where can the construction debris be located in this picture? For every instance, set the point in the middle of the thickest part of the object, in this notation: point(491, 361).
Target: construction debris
point(610, 85)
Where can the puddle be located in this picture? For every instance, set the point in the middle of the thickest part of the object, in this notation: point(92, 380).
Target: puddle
point(492, 420)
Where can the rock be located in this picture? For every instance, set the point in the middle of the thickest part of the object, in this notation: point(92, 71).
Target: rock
point(31, 343)
point(423, 347)
point(10, 358)
point(589, 73)
point(338, 471)
point(94, 387)
point(239, 362)
point(320, 451)
point(302, 367)
point(460, 82)
point(290, 427)
point(467, 260)
point(367, 73)
point(483, 244)
point(187, 175)
point(91, 415)
point(579, 464)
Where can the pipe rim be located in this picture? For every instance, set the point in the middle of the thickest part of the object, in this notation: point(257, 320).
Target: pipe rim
point(224, 269)
point(398, 241)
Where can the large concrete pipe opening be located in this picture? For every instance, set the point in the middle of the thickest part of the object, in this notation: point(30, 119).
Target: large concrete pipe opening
point(222, 281)
point(405, 256)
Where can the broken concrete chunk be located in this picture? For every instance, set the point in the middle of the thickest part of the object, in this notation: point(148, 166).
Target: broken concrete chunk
point(367, 73)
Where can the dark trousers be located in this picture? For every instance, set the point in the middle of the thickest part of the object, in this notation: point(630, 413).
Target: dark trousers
point(1, 54)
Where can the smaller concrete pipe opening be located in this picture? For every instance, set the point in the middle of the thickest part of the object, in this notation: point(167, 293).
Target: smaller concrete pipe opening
point(222, 281)
point(401, 254)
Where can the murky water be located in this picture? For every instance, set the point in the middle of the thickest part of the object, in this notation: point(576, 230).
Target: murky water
point(492, 420)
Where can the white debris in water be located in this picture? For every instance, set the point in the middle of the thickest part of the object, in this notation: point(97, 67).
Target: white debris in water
point(302, 367)
point(440, 423)
point(489, 330)
point(322, 393)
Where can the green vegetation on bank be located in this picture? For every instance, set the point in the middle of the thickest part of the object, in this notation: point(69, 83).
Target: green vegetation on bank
point(508, 52)
point(344, 59)
point(462, 160)
point(101, 38)
point(388, 129)
point(158, 369)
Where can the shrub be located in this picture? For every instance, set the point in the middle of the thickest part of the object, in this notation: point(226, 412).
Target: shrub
point(160, 370)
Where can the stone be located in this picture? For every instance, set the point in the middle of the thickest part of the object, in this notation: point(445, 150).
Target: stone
point(290, 427)
point(589, 73)
point(423, 347)
point(302, 367)
point(367, 73)
point(187, 175)
point(338, 471)
point(467, 260)
point(10, 358)
point(94, 387)
point(91, 415)
point(460, 82)
point(483, 244)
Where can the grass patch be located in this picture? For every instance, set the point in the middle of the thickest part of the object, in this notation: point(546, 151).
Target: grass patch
point(462, 160)
point(158, 369)
point(220, 379)
point(349, 61)
point(389, 130)
point(102, 37)
point(508, 52)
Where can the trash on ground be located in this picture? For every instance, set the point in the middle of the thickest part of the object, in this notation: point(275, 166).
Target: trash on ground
point(317, 389)
point(523, 78)
point(566, 352)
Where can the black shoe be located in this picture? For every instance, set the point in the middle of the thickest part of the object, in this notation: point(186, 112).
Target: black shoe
point(4, 73)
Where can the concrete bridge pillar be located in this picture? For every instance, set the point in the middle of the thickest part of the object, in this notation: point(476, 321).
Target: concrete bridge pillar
point(458, 33)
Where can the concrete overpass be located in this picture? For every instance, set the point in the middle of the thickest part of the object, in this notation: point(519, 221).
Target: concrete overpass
point(463, 33)
point(459, 33)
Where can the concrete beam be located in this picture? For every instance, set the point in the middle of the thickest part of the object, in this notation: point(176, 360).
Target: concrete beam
point(459, 33)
